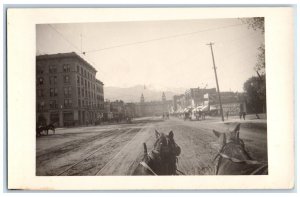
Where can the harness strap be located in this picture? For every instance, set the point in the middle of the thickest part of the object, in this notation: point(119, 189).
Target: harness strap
point(235, 160)
point(147, 167)
point(179, 171)
point(258, 169)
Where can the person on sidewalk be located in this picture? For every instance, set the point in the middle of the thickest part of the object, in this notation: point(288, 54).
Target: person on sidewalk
point(244, 115)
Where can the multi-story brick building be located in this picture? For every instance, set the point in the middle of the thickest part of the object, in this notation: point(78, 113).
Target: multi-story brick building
point(233, 103)
point(194, 96)
point(68, 92)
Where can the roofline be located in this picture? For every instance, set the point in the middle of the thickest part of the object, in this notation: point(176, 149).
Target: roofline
point(98, 81)
point(64, 55)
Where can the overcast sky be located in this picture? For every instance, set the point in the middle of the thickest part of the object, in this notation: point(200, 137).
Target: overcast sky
point(161, 54)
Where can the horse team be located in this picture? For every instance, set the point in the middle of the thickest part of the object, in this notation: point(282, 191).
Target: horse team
point(232, 158)
point(40, 129)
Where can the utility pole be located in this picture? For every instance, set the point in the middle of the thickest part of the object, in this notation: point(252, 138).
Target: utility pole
point(212, 53)
point(81, 43)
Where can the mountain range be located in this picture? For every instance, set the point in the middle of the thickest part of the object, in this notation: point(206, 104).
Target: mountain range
point(133, 94)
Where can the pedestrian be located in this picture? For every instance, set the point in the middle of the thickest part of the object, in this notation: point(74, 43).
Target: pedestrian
point(240, 115)
point(227, 114)
point(244, 115)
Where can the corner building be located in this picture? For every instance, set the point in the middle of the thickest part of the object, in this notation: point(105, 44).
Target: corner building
point(68, 93)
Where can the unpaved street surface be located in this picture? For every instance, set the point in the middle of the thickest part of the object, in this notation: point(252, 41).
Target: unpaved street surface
point(117, 149)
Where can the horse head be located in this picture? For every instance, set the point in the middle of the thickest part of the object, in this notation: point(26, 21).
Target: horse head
point(231, 144)
point(233, 157)
point(162, 159)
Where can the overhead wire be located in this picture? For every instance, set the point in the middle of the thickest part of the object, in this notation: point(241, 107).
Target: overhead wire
point(145, 41)
point(74, 46)
point(162, 38)
point(63, 37)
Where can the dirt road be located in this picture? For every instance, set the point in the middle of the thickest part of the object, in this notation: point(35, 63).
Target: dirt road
point(117, 149)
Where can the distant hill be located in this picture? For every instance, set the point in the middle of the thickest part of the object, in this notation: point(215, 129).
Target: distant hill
point(133, 94)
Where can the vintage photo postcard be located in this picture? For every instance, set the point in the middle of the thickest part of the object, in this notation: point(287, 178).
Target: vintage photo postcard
point(145, 98)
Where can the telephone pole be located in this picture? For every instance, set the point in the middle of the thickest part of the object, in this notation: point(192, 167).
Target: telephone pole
point(212, 54)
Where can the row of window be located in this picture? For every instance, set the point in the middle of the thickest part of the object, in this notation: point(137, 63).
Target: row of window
point(67, 68)
point(53, 69)
point(53, 80)
point(53, 92)
point(85, 73)
point(89, 104)
point(67, 104)
point(53, 105)
point(86, 93)
point(85, 83)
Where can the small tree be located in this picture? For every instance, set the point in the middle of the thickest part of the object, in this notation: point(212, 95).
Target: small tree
point(255, 88)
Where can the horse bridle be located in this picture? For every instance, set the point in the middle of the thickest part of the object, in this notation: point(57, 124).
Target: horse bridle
point(152, 171)
point(235, 160)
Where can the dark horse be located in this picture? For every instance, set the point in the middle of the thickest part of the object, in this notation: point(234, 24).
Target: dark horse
point(233, 159)
point(40, 129)
point(162, 159)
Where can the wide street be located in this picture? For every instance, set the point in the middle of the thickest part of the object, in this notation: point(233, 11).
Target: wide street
point(117, 149)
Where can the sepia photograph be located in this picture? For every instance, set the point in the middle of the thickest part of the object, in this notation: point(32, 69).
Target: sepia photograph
point(184, 97)
point(150, 99)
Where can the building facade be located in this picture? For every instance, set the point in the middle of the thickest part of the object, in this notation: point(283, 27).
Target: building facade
point(195, 96)
point(232, 103)
point(153, 108)
point(68, 93)
point(178, 102)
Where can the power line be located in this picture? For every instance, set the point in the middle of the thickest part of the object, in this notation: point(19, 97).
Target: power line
point(74, 46)
point(162, 38)
point(63, 37)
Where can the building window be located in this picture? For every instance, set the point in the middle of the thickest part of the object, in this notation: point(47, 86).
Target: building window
point(81, 81)
point(39, 70)
point(52, 69)
point(85, 83)
point(82, 102)
point(85, 93)
point(78, 80)
point(40, 93)
point(53, 80)
point(67, 103)
point(41, 81)
point(78, 91)
point(66, 79)
point(84, 73)
point(53, 104)
point(41, 106)
point(77, 68)
point(66, 68)
point(82, 92)
point(67, 91)
point(53, 92)
point(79, 103)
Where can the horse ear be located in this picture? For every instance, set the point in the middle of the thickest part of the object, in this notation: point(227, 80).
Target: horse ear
point(157, 134)
point(236, 131)
point(171, 134)
point(237, 127)
point(237, 135)
point(145, 149)
point(216, 133)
